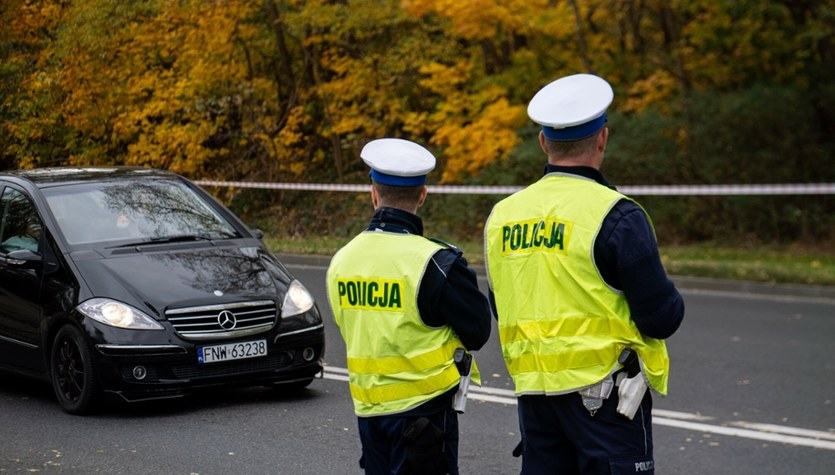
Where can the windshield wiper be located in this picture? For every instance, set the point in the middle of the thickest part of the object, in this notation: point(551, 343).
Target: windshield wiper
point(180, 238)
point(162, 240)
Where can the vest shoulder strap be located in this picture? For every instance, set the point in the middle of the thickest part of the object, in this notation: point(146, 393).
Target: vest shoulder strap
point(446, 245)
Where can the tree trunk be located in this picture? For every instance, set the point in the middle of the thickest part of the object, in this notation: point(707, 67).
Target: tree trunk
point(581, 40)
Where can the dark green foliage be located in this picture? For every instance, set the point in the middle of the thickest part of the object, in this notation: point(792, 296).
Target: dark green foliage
point(303, 213)
point(765, 134)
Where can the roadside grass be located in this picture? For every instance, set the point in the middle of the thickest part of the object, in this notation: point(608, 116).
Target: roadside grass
point(773, 264)
point(314, 245)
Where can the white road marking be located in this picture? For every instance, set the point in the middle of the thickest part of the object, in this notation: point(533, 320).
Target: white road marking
point(752, 295)
point(679, 420)
point(750, 434)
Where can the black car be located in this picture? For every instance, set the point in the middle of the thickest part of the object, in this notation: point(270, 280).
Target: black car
point(136, 282)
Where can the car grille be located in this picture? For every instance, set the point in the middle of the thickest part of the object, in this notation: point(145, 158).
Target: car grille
point(256, 365)
point(270, 363)
point(212, 322)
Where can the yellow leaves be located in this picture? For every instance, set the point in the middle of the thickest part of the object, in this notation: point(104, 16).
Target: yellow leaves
point(283, 145)
point(292, 133)
point(30, 21)
point(177, 148)
point(180, 85)
point(473, 126)
point(416, 123)
point(553, 21)
point(160, 86)
point(358, 99)
point(467, 147)
point(654, 90)
point(445, 80)
point(479, 19)
point(419, 7)
point(297, 86)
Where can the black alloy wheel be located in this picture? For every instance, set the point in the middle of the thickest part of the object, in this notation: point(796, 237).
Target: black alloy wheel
point(71, 369)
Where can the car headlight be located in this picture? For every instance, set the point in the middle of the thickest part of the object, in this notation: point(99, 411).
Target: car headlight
point(298, 300)
point(117, 314)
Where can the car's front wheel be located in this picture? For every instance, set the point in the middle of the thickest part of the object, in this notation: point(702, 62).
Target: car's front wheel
point(71, 368)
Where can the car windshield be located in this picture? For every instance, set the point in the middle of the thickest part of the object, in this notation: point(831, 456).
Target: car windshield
point(135, 211)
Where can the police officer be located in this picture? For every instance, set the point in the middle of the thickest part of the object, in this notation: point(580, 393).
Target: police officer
point(404, 304)
point(582, 299)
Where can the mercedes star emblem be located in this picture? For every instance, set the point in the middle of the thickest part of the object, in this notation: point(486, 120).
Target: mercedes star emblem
point(226, 320)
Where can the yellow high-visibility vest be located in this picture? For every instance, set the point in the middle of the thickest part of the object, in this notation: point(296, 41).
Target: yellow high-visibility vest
point(395, 362)
point(561, 326)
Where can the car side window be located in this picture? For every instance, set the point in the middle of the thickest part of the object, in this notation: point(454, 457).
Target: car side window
point(20, 227)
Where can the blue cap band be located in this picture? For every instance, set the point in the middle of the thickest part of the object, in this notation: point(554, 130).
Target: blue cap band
point(393, 180)
point(576, 132)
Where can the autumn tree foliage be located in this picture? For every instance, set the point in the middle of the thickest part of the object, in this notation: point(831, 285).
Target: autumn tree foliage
point(290, 90)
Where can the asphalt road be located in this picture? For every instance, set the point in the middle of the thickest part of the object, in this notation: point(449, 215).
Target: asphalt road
point(751, 392)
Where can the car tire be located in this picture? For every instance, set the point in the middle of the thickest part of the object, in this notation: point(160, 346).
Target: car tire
point(72, 371)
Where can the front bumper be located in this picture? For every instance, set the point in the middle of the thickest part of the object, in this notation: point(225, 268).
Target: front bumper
point(155, 370)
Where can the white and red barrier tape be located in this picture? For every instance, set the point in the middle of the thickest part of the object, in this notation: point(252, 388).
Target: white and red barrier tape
point(638, 190)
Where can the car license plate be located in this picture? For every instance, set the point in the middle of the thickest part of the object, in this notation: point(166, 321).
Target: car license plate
point(231, 351)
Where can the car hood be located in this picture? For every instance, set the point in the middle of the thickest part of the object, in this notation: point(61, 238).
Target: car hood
point(155, 278)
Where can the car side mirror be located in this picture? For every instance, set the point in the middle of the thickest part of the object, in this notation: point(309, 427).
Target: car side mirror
point(258, 234)
point(23, 258)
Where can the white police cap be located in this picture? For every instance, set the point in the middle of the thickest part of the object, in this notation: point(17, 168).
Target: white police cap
point(571, 108)
point(397, 162)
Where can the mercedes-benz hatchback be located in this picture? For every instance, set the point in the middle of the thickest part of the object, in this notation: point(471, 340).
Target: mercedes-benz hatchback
point(136, 282)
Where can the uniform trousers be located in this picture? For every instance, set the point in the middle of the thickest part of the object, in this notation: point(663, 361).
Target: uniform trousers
point(560, 436)
point(385, 450)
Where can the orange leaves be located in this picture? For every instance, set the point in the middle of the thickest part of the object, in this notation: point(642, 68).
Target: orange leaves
point(174, 147)
point(480, 19)
point(294, 88)
point(470, 145)
point(159, 85)
point(473, 126)
point(387, 73)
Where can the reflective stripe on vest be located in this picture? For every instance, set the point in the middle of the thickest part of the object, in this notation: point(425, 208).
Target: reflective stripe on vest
point(561, 326)
point(395, 362)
